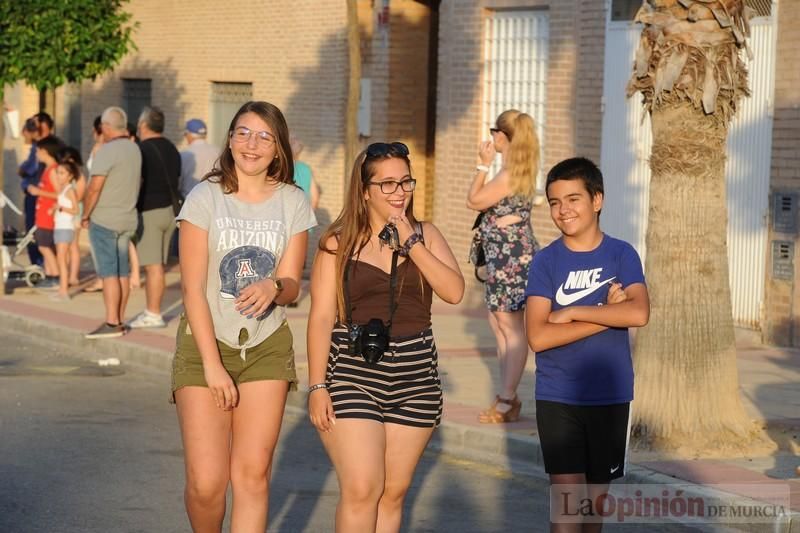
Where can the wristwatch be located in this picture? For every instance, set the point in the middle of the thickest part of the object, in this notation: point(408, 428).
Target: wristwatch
point(278, 283)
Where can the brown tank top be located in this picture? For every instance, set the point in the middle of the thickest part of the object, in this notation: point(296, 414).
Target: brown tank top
point(369, 297)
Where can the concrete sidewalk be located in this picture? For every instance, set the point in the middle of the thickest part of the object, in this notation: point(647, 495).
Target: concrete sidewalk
point(770, 383)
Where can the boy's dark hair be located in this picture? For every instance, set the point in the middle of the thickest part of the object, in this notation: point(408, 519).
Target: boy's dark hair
point(97, 125)
point(45, 118)
point(577, 168)
point(50, 144)
point(132, 131)
point(153, 118)
point(70, 154)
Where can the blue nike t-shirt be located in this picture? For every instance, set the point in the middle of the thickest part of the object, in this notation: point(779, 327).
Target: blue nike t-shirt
point(596, 370)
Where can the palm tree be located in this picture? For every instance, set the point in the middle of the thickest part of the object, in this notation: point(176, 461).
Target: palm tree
point(691, 77)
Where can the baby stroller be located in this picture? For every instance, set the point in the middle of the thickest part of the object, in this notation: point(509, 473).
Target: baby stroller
point(12, 269)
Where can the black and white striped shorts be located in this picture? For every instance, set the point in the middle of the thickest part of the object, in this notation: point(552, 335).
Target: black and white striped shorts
point(403, 388)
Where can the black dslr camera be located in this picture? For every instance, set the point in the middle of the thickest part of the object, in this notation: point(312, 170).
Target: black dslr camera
point(370, 340)
point(389, 237)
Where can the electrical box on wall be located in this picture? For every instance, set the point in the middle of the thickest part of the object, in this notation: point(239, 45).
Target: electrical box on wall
point(784, 212)
point(783, 260)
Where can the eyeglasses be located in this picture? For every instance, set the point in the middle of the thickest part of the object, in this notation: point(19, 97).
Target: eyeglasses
point(242, 135)
point(396, 149)
point(495, 130)
point(390, 186)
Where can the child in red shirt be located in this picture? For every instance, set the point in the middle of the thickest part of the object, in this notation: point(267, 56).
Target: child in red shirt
point(46, 152)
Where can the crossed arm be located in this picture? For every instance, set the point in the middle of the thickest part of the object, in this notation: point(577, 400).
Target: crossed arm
point(550, 329)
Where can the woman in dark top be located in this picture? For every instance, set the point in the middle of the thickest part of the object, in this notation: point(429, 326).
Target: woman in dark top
point(365, 411)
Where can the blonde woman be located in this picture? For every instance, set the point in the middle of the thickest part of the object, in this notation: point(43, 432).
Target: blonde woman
point(509, 245)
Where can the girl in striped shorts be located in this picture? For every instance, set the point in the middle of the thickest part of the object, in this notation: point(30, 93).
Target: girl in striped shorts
point(375, 395)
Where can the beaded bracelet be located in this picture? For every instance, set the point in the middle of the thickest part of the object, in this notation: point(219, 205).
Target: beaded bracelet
point(410, 242)
point(312, 388)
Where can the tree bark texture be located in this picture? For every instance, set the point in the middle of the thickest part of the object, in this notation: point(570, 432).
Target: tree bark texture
point(685, 359)
point(691, 78)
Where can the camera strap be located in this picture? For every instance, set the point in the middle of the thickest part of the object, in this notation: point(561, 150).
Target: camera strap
point(392, 287)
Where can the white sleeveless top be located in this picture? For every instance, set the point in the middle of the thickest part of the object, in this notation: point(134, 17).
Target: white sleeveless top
point(64, 220)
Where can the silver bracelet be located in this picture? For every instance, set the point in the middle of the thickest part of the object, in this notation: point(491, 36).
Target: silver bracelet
point(312, 388)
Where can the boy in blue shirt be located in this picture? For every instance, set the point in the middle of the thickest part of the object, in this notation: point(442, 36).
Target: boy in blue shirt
point(584, 291)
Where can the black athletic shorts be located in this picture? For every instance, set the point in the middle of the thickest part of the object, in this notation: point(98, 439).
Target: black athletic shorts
point(584, 439)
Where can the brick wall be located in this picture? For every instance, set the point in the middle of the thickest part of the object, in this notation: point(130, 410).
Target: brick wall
point(407, 106)
point(293, 53)
point(574, 91)
point(782, 299)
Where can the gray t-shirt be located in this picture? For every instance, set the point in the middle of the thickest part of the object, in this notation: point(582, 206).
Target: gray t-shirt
point(120, 161)
point(197, 160)
point(245, 245)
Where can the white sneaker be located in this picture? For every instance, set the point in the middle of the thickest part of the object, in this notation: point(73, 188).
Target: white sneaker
point(146, 319)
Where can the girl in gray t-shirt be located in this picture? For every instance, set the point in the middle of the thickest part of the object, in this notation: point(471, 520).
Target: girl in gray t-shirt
point(243, 236)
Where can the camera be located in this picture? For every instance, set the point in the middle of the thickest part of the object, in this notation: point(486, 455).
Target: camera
point(371, 340)
point(390, 237)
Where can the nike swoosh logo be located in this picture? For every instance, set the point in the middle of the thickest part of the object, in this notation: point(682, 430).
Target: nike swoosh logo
point(567, 299)
point(615, 469)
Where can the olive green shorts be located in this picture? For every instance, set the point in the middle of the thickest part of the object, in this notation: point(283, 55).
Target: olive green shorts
point(273, 359)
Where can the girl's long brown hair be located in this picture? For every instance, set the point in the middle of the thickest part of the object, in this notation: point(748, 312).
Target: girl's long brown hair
point(280, 169)
point(351, 228)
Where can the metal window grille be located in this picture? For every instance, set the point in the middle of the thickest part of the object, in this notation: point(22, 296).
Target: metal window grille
point(515, 69)
point(226, 99)
point(137, 93)
point(763, 8)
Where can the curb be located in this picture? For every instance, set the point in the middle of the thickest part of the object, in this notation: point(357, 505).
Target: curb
point(519, 454)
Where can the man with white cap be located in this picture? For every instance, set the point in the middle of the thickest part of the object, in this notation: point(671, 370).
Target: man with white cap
point(198, 158)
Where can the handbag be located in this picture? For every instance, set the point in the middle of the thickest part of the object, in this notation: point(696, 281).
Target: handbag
point(477, 254)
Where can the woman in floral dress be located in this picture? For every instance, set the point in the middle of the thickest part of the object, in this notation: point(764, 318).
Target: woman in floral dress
point(509, 245)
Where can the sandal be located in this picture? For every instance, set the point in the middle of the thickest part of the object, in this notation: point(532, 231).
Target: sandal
point(92, 288)
point(493, 416)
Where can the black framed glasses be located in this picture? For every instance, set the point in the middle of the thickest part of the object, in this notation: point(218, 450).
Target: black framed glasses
point(495, 130)
point(390, 186)
point(395, 149)
point(243, 134)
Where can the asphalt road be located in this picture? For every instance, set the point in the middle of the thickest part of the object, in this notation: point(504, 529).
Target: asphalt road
point(89, 448)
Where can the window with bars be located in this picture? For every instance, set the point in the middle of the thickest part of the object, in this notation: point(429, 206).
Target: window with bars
point(226, 99)
point(515, 69)
point(137, 93)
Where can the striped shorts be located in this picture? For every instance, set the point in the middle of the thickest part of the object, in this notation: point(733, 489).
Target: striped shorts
point(403, 388)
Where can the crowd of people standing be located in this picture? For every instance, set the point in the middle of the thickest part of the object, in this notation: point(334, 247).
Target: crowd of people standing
point(375, 397)
point(126, 195)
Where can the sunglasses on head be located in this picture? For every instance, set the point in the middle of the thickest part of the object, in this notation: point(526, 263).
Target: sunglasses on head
point(396, 149)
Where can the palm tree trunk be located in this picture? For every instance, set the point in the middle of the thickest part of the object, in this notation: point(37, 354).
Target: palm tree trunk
point(691, 78)
point(685, 360)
